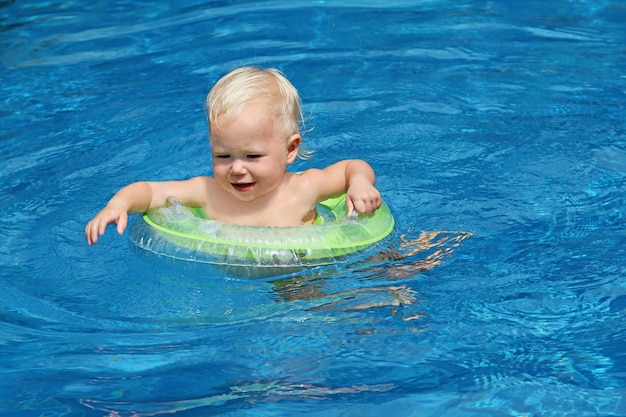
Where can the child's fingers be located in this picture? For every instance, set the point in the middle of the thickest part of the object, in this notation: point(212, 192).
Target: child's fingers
point(366, 205)
point(364, 201)
point(350, 207)
point(122, 222)
point(97, 227)
point(89, 234)
point(360, 206)
point(93, 231)
point(102, 227)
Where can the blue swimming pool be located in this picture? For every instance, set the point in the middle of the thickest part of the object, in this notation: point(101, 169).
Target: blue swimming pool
point(498, 134)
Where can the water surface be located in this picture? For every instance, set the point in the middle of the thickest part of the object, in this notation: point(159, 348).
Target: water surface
point(479, 118)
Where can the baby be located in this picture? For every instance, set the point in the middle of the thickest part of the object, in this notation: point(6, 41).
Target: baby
point(254, 128)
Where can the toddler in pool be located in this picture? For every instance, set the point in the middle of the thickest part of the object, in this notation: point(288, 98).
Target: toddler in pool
point(254, 128)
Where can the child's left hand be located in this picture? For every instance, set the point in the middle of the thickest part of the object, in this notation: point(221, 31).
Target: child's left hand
point(362, 197)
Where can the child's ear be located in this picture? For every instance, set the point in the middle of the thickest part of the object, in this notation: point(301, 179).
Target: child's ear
point(292, 147)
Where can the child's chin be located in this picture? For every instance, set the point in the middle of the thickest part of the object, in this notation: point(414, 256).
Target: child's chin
point(246, 195)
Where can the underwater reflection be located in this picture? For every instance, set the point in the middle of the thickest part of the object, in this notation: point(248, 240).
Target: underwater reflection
point(420, 254)
point(411, 257)
point(252, 393)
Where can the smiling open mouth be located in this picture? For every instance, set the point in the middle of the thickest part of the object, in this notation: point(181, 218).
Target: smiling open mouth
point(243, 186)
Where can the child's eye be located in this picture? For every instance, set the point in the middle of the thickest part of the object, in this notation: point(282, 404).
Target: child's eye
point(253, 156)
point(222, 156)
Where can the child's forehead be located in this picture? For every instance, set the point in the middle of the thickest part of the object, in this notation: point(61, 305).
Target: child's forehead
point(261, 109)
point(254, 120)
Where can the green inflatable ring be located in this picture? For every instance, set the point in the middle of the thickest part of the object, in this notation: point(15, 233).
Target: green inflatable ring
point(186, 233)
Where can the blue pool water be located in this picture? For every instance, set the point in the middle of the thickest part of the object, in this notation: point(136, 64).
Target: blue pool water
point(498, 134)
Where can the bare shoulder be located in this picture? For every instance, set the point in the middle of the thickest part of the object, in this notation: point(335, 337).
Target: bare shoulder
point(309, 178)
point(310, 174)
point(337, 169)
point(325, 182)
point(195, 185)
point(196, 191)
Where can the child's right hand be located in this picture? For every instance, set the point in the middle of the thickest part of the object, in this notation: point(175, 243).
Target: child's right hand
point(112, 213)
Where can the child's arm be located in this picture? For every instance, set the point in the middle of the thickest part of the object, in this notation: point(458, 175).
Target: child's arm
point(140, 197)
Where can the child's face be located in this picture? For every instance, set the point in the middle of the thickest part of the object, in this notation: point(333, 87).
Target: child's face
point(250, 155)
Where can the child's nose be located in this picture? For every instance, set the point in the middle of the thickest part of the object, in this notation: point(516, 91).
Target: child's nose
point(238, 167)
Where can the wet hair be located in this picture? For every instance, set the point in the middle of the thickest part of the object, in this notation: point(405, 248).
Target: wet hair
point(235, 90)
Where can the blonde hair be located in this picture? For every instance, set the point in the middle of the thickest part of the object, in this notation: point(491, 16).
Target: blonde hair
point(232, 92)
